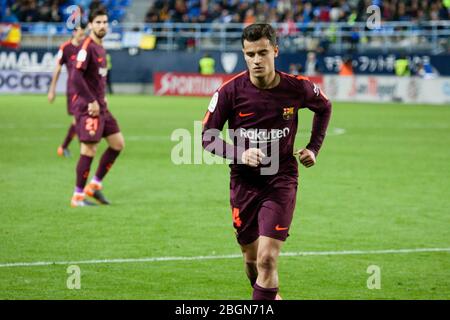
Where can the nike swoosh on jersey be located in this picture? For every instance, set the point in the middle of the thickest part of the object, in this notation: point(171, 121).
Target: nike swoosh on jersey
point(243, 115)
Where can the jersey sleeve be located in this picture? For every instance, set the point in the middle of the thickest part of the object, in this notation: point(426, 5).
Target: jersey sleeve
point(216, 116)
point(84, 56)
point(60, 59)
point(314, 99)
point(61, 56)
point(218, 111)
point(77, 78)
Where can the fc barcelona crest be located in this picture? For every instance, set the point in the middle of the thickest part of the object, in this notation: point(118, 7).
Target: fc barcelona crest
point(288, 113)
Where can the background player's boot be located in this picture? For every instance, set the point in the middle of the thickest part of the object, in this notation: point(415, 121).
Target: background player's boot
point(278, 297)
point(94, 190)
point(78, 200)
point(63, 152)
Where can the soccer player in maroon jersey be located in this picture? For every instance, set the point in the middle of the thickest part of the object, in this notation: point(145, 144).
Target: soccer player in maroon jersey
point(93, 119)
point(261, 107)
point(67, 56)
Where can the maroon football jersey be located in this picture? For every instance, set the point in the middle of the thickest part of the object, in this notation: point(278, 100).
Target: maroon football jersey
point(90, 75)
point(265, 119)
point(67, 54)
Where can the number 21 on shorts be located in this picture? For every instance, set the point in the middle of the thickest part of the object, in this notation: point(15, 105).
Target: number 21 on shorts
point(91, 125)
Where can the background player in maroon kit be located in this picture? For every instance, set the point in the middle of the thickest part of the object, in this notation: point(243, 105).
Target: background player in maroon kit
point(67, 56)
point(93, 119)
point(261, 106)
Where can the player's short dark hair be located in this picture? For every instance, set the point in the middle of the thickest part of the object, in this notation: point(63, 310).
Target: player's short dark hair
point(101, 11)
point(256, 31)
point(81, 25)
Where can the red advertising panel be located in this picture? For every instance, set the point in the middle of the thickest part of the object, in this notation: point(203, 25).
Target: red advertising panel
point(187, 84)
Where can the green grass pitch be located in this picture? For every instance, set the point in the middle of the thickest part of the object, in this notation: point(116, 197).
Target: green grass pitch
point(382, 181)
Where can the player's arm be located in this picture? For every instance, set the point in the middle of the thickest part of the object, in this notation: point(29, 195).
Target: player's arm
point(316, 101)
point(83, 58)
point(217, 114)
point(60, 61)
point(52, 89)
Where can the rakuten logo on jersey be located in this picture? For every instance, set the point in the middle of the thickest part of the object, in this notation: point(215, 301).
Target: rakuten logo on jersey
point(263, 135)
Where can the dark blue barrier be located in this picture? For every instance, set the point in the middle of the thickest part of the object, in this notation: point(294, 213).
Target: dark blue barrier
point(139, 66)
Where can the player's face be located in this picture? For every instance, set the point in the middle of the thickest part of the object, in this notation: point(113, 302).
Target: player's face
point(99, 26)
point(260, 57)
point(79, 34)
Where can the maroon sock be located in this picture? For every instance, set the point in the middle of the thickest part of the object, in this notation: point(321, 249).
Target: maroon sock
point(69, 136)
point(83, 167)
point(106, 162)
point(260, 293)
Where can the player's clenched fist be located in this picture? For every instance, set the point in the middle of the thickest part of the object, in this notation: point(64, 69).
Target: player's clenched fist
point(94, 109)
point(306, 157)
point(51, 96)
point(252, 157)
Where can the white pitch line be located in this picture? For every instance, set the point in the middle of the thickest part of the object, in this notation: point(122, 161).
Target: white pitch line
point(217, 257)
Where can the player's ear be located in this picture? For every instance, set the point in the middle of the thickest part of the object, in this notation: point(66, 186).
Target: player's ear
point(276, 50)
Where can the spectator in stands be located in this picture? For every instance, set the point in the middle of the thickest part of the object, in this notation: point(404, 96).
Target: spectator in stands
point(426, 70)
point(9, 17)
point(27, 11)
point(346, 67)
point(295, 69)
point(95, 4)
point(249, 17)
point(311, 64)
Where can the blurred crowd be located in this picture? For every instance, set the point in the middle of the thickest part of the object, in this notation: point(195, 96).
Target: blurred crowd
point(294, 11)
point(242, 11)
point(48, 10)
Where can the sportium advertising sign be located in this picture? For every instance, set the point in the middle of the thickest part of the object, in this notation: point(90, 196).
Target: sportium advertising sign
point(187, 84)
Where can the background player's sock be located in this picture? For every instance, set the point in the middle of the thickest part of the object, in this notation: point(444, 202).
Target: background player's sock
point(96, 180)
point(260, 293)
point(83, 167)
point(252, 281)
point(69, 136)
point(106, 162)
point(78, 191)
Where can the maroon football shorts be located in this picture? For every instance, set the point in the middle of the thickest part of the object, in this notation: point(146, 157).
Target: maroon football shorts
point(262, 209)
point(93, 129)
point(70, 104)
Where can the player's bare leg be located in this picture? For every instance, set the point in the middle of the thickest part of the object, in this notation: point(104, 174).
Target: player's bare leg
point(250, 253)
point(266, 287)
point(63, 150)
point(87, 154)
point(116, 143)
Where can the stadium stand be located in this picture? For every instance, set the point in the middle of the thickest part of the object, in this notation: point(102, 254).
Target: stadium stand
point(273, 11)
point(56, 10)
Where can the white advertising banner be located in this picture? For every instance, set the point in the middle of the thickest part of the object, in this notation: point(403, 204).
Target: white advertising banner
point(387, 89)
point(16, 82)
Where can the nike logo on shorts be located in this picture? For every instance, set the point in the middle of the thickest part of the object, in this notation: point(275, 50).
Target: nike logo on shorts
point(278, 228)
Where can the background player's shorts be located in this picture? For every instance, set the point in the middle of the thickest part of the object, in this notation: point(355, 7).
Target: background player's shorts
point(262, 209)
point(93, 129)
point(70, 104)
